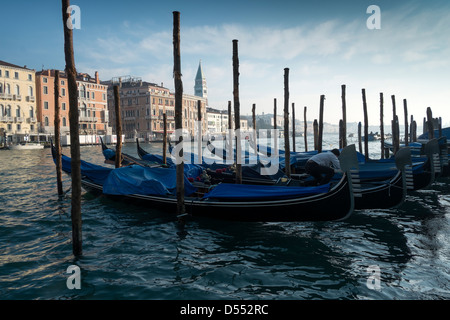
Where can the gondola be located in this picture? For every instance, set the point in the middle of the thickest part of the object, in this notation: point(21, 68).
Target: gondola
point(110, 157)
point(378, 189)
point(233, 201)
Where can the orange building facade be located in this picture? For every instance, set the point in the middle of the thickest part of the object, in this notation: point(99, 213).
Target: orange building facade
point(92, 104)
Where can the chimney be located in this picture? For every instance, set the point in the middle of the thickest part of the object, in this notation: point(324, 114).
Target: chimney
point(97, 80)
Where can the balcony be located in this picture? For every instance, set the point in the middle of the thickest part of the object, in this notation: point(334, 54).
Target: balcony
point(6, 96)
point(87, 119)
point(8, 119)
point(30, 98)
point(17, 97)
point(19, 119)
point(31, 120)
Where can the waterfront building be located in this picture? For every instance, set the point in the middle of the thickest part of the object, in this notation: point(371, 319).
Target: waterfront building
point(217, 120)
point(92, 104)
point(143, 105)
point(17, 103)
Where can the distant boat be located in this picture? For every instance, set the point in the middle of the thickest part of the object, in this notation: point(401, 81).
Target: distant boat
point(26, 146)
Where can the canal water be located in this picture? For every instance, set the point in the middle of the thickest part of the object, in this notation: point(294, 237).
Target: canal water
point(135, 252)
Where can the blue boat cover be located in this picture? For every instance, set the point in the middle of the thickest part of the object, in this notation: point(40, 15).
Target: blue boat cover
point(96, 174)
point(144, 181)
point(230, 192)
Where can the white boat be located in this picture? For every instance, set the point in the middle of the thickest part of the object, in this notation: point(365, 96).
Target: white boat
point(26, 146)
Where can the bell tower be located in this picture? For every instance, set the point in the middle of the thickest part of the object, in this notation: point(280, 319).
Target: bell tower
point(200, 87)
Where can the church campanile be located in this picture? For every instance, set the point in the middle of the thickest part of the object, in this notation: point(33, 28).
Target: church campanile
point(200, 88)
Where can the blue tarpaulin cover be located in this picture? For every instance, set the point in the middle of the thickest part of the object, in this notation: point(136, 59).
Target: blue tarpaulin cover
point(144, 181)
point(95, 173)
point(241, 192)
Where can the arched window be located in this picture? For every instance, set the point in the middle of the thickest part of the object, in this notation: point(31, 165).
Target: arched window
point(8, 89)
point(17, 89)
point(31, 112)
point(64, 123)
point(18, 111)
point(46, 121)
point(30, 91)
point(2, 111)
point(8, 111)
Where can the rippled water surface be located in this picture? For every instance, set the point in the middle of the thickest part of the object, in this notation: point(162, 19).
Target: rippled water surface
point(134, 252)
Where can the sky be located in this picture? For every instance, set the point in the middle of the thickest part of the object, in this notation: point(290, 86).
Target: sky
point(325, 44)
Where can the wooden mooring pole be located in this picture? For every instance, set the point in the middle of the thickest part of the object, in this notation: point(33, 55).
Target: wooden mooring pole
point(287, 148)
point(200, 132)
point(395, 128)
point(230, 131)
point(316, 134)
point(384, 154)
point(405, 111)
point(293, 126)
point(118, 161)
point(344, 117)
point(237, 118)
point(366, 126)
point(430, 126)
point(359, 138)
point(178, 116)
point(320, 138)
point(74, 132)
point(164, 150)
point(58, 137)
point(305, 129)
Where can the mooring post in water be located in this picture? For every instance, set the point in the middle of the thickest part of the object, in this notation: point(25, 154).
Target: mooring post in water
point(237, 118)
point(200, 132)
point(383, 151)
point(287, 148)
point(430, 124)
point(275, 113)
point(366, 126)
point(405, 110)
point(344, 117)
point(320, 139)
point(74, 132)
point(178, 116)
point(341, 129)
point(397, 134)
point(164, 138)
point(359, 137)
point(293, 126)
point(58, 137)
point(254, 122)
point(118, 161)
point(440, 127)
point(395, 143)
point(305, 129)
point(316, 134)
point(230, 131)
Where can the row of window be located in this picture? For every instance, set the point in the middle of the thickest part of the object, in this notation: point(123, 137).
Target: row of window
point(6, 74)
point(6, 88)
point(6, 111)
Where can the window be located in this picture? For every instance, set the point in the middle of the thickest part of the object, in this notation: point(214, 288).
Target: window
point(16, 75)
point(30, 77)
point(18, 127)
point(45, 90)
point(44, 80)
point(46, 105)
point(63, 106)
point(17, 89)
point(6, 74)
point(63, 82)
point(46, 121)
point(18, 112)
point(63, 92)
point(64, 122)
point(93, 95)
point(30, 91)
point(31, 112)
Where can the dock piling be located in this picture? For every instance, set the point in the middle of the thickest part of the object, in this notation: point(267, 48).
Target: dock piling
point(74, 132)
